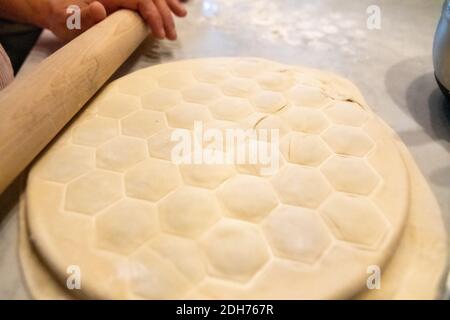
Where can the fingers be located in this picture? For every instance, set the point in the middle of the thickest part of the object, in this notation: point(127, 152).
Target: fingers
point(156, 13)
point(177, 8)
point(166, 15)
point(97, 11)
point(91, 14)
point(151, 15)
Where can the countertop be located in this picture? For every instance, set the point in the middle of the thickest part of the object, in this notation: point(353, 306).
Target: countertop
point(392, 66)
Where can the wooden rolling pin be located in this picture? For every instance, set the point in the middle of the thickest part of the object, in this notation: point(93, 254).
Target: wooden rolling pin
point(34, 108)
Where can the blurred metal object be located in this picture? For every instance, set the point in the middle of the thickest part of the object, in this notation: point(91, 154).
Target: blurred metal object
point(441, 50)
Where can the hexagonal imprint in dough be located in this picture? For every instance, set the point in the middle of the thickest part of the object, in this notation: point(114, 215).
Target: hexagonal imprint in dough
point(239, 87)
point(118, 105)
point(297, 234)
point(184, 253)
point(347, 113)
point(305, 120)
point(143, 124)
point(231, 109)
point(269, 101)
point(355, 219)
point(210, 73)
point(206, 176)
point(125, 226)
point(201, 93)
point(80, 198)
point(161, 99)
point(272, 122)
point(175, 80)
point(188, 211)
point(307, 150)
point(236, 250)
point(152, 277)
point(247, 197)
point(55, 167)
point(96, 131)
point(301, 186)
point(160, 145)
point(184, 115)
point(350, 175)
point(111, 155)
point(151, 179)
point(348, 141)
point(274, 81)
point(137, 87)
point(307, 96)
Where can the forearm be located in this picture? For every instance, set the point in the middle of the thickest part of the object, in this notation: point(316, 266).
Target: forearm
point(26, 11)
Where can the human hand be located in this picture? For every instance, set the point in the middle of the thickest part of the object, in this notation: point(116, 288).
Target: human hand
point(158, 14)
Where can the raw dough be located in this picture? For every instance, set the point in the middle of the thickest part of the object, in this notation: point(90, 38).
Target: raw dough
point(234, 233)
point(416, 271)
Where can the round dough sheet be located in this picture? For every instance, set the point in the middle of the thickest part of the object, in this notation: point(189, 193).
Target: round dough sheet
point(407, 276)
point(107, 197)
